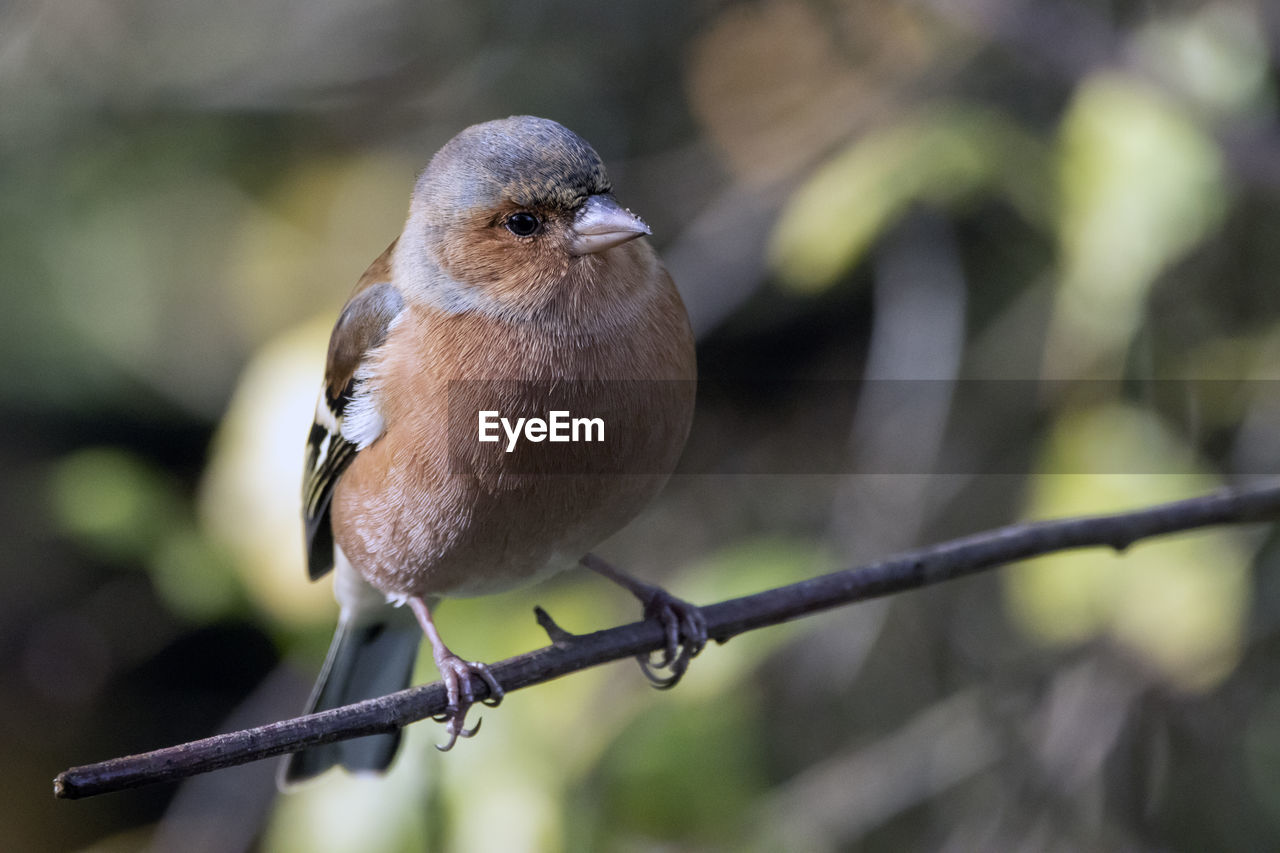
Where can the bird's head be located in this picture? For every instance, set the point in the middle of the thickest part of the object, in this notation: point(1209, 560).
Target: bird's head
point(509, 210)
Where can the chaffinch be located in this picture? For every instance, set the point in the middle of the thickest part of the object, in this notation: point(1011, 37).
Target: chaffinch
point(518, 282)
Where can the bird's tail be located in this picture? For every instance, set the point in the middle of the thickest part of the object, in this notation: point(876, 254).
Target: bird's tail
point(371, 655)
point(366, 659)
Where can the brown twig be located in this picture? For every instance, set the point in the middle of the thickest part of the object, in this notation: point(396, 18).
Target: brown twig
point(570, 652)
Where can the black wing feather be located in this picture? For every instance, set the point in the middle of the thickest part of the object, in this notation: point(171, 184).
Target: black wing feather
point(360, 330)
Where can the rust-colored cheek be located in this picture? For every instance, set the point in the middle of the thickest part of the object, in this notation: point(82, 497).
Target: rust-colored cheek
point(502, 267)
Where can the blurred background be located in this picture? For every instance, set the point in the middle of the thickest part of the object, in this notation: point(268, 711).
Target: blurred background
point(952, 264)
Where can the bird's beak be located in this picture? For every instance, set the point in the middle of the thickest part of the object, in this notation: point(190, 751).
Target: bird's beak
point(601, 224)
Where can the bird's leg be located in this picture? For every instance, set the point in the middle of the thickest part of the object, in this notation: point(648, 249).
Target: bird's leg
point(682, 622)
point(456, 674)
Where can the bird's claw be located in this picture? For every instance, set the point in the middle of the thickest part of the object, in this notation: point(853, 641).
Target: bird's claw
point(683, 625)
point(686, 635)
point(456, 674)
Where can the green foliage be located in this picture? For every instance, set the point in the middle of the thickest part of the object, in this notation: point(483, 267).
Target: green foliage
point(686, 775)
point(944, 156)
point(121, 508)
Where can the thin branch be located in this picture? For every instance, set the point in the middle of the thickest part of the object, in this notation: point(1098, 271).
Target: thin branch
point(570, 653)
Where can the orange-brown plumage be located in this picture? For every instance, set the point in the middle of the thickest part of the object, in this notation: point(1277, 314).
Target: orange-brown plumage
point(421, 522)
point(517, 283)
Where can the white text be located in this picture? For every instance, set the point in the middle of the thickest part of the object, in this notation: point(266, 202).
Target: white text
point(558, 426)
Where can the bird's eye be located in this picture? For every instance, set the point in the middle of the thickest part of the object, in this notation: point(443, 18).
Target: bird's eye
point(522, 224)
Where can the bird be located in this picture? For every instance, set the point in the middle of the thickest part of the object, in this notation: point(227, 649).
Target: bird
point(518, 283)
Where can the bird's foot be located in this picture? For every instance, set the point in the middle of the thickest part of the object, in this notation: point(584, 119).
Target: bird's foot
point(686, 634)
point(682, 623)
point(456, 674)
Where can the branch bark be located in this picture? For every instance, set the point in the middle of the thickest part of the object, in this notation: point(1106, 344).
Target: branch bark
point(570, 653)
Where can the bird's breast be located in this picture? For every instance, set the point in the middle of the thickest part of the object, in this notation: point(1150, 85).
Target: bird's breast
point(508, 444)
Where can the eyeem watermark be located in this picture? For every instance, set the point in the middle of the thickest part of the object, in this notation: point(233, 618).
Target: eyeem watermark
point(557, 426)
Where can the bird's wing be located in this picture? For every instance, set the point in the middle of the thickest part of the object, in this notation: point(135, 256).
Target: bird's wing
point(360, 330)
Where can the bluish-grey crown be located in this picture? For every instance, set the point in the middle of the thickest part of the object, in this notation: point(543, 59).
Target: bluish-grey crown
point(525, 160)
